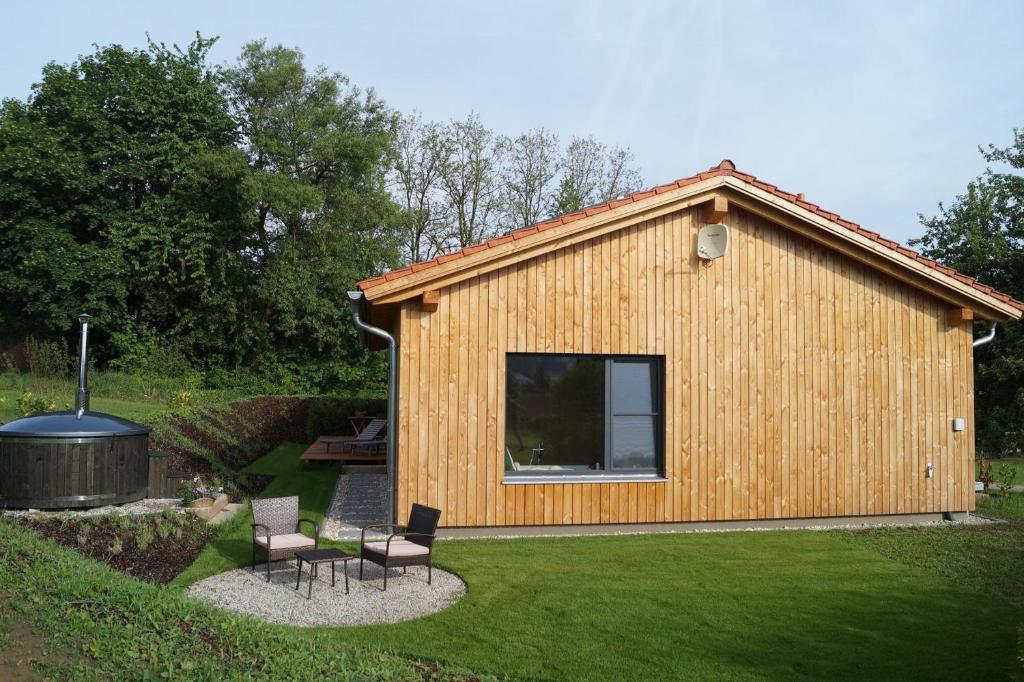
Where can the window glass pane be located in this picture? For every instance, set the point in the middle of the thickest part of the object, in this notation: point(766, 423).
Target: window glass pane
point(554, 414)
point(633, 443)
point(633, 387)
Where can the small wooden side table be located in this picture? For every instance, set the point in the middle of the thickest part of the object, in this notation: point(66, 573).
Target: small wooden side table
point(315, 557)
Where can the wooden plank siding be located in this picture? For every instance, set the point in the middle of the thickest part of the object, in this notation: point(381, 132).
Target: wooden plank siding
point(799, 382)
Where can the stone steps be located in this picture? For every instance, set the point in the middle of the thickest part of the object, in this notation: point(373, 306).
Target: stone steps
point(360, 500)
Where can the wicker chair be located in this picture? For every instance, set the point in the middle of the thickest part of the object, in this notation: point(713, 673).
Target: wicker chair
point(276, 529)
point(410, 545)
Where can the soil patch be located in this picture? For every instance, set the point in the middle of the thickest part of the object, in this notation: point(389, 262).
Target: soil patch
point(154, 547)
point(21, 650)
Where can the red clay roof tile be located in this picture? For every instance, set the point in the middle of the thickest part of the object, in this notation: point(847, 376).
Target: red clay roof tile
point(450, 256)
point(525, 232)
point(416, 267)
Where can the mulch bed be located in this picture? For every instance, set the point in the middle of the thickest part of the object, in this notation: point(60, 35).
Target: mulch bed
point(115, 540)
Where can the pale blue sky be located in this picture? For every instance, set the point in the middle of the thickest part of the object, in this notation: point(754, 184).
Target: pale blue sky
point(872, 109)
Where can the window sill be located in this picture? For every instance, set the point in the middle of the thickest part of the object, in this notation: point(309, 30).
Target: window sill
point(598, 478)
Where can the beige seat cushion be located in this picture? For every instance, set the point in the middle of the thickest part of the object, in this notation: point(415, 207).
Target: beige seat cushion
point(288, 541)
point(398, 548)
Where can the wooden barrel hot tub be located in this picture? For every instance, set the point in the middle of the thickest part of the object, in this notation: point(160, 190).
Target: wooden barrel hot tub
point(62, 460)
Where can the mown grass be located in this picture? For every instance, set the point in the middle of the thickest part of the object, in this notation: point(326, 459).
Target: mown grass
point(1010, 507)
point(136, 410)
point(133, 396)
point(99, 624)
point(830, 605)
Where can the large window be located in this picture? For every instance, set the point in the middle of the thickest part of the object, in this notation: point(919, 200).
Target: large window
point(582, 415)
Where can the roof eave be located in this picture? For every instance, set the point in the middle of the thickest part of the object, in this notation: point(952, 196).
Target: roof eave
point(751, 195)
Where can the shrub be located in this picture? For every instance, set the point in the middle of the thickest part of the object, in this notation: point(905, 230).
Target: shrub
point(1004, 479)
point(179, 400)
point(31, 404)
point(47, 359)
point(985, 474)
point(187, 493)
point(143, 535)
point(116, 547)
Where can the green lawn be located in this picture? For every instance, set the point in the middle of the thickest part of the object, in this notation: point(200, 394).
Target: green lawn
point(132, 396)
point(138, 410)
point(883, 604)
point(1011, 507)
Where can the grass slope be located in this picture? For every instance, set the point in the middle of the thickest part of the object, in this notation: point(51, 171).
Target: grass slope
point(77, 619)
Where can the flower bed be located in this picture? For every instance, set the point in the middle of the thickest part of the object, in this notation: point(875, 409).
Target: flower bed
point(152, 547)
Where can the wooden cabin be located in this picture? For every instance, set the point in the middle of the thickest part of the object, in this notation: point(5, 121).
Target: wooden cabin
point(594, 369)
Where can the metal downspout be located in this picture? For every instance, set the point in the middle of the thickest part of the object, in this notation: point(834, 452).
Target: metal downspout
point(987, 338)
point(355, 297)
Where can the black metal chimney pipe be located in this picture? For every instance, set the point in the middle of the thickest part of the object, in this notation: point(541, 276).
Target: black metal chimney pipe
point(82, 400)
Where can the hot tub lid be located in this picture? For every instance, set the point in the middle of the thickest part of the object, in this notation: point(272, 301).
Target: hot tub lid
point(68, 424)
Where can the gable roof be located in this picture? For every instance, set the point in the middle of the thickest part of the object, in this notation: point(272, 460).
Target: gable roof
point(745, 190)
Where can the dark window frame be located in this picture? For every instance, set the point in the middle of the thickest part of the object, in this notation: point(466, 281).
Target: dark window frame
point(657, 362)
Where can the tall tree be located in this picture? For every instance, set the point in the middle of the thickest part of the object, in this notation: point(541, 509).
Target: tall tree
point(620, 177)
point(982, 234)
point(318, 150)
point(421, 151)
point(115, 197)
point(532, 165)
point(591, 174)
point(470, 175)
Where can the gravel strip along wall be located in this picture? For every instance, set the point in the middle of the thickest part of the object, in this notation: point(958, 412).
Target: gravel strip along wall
point(359, 500)
point(408, 595)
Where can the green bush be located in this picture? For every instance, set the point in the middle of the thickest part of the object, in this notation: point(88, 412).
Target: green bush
point(1005, 477)
point(180, 400)
point(47, 359)
point(147, 353)
point(33, 404)
point(330, 416)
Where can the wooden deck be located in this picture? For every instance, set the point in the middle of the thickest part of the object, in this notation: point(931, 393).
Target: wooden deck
point(345, 449)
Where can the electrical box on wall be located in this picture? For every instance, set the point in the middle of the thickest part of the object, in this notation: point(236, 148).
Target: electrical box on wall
point(958, 424)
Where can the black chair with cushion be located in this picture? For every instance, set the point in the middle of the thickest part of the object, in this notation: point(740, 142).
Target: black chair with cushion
point(408, 545)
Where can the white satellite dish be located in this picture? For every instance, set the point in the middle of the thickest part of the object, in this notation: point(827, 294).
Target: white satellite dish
point(712, 241)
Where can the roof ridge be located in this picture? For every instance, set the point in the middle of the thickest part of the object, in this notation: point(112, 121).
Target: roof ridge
point(725, 168)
